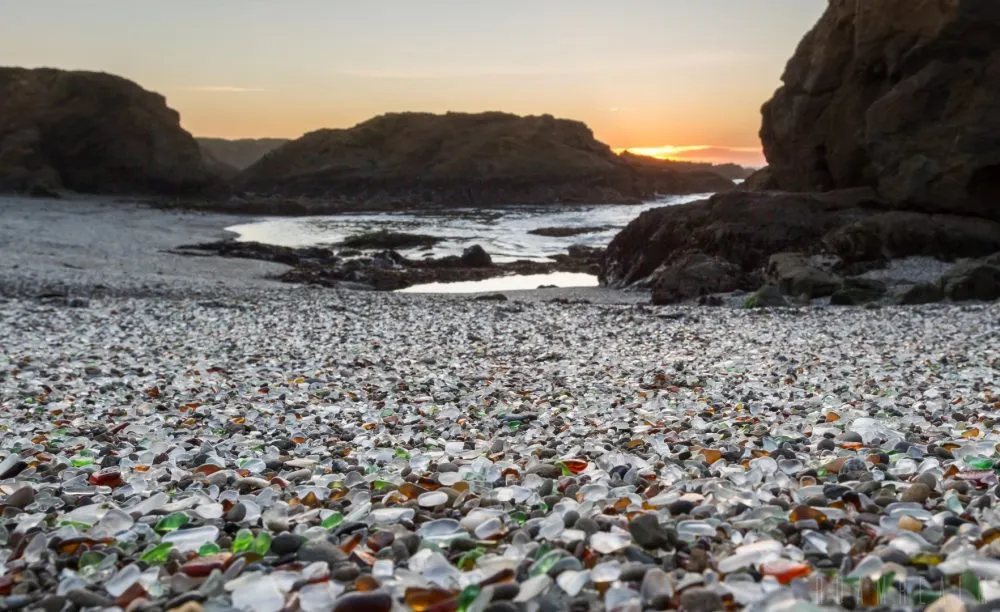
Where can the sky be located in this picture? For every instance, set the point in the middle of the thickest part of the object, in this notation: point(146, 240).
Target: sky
point(685, 78)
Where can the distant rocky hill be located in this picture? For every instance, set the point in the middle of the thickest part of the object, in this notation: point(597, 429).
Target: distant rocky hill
point(93, 133)
point(730, 171)
point(239, 154)
point(463, 159)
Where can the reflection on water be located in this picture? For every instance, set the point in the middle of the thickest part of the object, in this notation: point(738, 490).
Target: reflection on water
point(502, 232)
point(507, 283)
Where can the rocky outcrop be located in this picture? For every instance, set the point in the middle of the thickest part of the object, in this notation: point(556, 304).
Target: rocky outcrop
point(883, 143)
point(745, 229)
point(415, 159)
point(93, 133)
point(898, 95)
point(239, 154)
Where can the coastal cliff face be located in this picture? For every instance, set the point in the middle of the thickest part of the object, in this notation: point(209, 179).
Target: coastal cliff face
point(899, 95)
point(92, 133)
point(883, 142)
point(457, 158)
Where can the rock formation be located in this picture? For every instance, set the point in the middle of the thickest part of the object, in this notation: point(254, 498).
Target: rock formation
point(93, 133)
point(899, 95)
point(890, 116)
point(415, 159)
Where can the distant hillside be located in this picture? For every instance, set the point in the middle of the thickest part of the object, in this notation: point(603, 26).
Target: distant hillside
point(730, 171)
point(458, 158)
point(240, 154)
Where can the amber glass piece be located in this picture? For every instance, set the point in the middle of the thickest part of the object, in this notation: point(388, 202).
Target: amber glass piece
point(852, 445)
point(429, 483)
point(336, 494)
point(111, 477)
point(785, 571)
point(411, 491)
point(575, 465)
point(805, 513)
point(311, 500)
point(832, 417)
point(971, 433)
point(131, 594)
point(351, 543)
point(421, 599)
point(989, 536)
point(461, 486)
point(379, 540)
point(807, 481)
point(203, 566)
point(366, 583)
point(711, 455)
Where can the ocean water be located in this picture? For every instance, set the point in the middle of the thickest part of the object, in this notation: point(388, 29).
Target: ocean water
point(503, 232)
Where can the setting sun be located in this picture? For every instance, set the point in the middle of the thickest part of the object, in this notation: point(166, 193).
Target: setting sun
point(749, 156)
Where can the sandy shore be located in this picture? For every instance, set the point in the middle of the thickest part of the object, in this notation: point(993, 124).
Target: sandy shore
point(92, 248)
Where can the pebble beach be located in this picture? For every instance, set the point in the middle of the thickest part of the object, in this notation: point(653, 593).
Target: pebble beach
point(182, 433)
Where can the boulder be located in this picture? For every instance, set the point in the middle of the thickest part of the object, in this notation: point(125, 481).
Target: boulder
point(744, 228)
point(93, 133)
point(747, 228)
point(924, 293)
point(693, 276)
point(898, 95)
point(857, 292)
point(476, 256)
point(972, 280)
point(768, 296)
point(795, 274)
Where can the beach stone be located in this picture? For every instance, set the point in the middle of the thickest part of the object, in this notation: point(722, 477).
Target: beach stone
point(321, 550)
point(917, 492)
point(681, 506)
point(20, 498)
point(236, 513)
point(371, 601)
point(646, 532)
point(286, 543)
point(89, 599)
point(699, 599)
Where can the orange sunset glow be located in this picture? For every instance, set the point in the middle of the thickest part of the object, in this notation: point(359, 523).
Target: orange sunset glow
point(638, 72)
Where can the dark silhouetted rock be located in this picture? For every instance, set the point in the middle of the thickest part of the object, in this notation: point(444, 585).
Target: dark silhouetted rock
point(386, 239)
point(768, 296)
point(794, 274)
point(899, 95)
point(921, 294)
point(857, 292)
point(414, 159)
point(695, 275)
point(972, 280)
point(94, 133)
point(476, 256)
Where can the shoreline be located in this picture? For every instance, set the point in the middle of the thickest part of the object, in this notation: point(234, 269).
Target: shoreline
point(92, 247)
